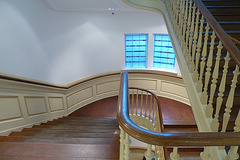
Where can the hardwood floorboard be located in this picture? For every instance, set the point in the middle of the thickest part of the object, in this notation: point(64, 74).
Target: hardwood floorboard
point(173, 111)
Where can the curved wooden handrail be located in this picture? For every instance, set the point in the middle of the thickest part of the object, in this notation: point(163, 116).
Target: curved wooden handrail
point(168, 139)
point(222, 35)
point(158, 104)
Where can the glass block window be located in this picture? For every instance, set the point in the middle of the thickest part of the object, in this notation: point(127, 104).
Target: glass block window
point(136, 50)
point(163, 56)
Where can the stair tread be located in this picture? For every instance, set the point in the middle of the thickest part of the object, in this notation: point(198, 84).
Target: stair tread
point(178, 121)
point(59, 150)
point(72, 130)
point(59, 140)
point(80, 135)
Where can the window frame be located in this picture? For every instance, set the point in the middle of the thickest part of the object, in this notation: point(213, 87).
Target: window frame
point(153, 54)
point(146, 56)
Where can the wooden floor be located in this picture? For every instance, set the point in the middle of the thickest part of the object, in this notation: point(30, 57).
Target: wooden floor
point(70, 138)
point(87, 134)
point(174, 112)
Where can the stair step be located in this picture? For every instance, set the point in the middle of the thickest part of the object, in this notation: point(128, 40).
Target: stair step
point(80, 135)
point(220, 3)
point(73, 130)
point(59, 140)
point(186, 122)
point(72, 126)
point(58, 150)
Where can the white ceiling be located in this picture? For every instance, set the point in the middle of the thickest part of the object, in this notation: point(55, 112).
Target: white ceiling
point(90, 5)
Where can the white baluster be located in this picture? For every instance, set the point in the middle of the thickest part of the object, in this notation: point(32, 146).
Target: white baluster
point(203, 59)
point(204, 95)
point(180, 20)
point(199, 46)
point(149, 154)
point(232, 154)
point(181, 23)
point(127, 143)
point(122, 137)
point(185, 21)
point(205, 155)
point(230, 99)
point(209, 108)
point(215, 123)
point(174, 155)
point(194, 47)
point(188, 29)
point(189, 58)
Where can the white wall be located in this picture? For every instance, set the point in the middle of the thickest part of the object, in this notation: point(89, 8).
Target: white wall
point(59, 47)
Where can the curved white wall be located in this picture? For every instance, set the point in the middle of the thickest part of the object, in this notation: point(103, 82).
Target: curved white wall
point(59, 47)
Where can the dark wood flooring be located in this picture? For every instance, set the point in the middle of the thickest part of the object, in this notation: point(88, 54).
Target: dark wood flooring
point(173, 112)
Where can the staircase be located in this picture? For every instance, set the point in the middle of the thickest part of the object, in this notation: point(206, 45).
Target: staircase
point(69, 138)
point(227, 14)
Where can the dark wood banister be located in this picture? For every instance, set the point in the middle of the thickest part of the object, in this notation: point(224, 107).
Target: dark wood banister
point(168, 139)
point(226, 40)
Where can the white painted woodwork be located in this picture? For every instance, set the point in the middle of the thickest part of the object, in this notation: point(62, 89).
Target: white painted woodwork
point(149, 154)
point(174, 89)
point(149, 84)
point(233, 152)
point(23, 105)
point(127, 143)
point(195, 38)
point(79, 96)
point(209, 108)
point(190, 55)
point(229, 103)
point(174, 155)
point(35, 105)
point(205, 154)
point(203, 60)
point(9, 108)
point(56, 103)
point(107, 87)
point(204, 96)
point(215, 123)
point(199, 47)
point(121, 150)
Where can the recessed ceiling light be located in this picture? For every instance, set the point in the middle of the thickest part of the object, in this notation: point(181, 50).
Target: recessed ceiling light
point(111, 9)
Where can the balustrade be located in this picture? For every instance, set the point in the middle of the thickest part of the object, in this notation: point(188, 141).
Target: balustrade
point(205, 47)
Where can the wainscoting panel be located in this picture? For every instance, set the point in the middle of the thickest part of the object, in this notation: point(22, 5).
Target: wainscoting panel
point(35, 105)
point(173, 88)
point(79, 96)
point(9, 108)
point(56, 103)
point(144, 83)
point(107, 87)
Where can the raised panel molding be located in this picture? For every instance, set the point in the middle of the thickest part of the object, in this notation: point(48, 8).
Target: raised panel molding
point(56, 103)
point(79, 96)
point(35, 105)
point(144, 83)
point(9, 108)
point(107, 87)
point(173, 88)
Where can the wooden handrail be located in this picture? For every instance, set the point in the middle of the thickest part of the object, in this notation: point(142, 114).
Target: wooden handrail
point(168, 139)
point(227, 42)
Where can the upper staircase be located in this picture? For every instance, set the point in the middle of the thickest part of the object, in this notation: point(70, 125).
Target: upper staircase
point(69, 138)
point(227, 14)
